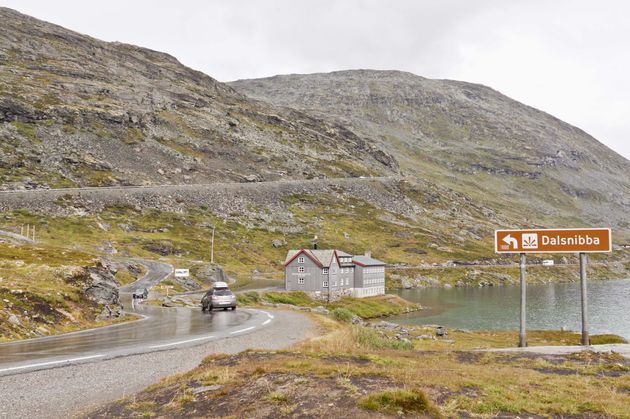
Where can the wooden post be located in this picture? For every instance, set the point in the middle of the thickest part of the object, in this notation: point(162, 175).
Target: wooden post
point(522, 339)
point(33, 232)
point(28, 234)
point(585, 338)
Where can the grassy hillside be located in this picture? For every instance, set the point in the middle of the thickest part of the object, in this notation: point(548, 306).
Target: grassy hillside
point(42, 292)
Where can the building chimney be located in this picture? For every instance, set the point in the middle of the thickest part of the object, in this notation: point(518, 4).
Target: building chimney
point(368, 253)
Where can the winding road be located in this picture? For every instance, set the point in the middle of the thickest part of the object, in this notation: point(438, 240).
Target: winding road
point(60, 376)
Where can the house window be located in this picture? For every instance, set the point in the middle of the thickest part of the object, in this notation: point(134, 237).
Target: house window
point(325, 285)
point(301, 259)
point(325, 271)
point(301, 269)
point(301, 281)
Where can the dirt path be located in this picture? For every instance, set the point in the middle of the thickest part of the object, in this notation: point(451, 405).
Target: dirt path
point(620, 348)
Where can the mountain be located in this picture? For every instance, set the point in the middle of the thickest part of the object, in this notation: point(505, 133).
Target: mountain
point(526, 164)
point(76, 111)
point(417, 171)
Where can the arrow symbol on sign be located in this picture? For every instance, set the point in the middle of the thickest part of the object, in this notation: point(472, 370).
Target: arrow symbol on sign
point(511, 241)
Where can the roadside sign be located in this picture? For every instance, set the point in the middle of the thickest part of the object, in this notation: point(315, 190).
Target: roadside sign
point(565, 240)
point(182, 273)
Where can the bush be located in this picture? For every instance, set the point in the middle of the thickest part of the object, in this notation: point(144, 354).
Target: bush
point(371, 339)
point(606, 339)
point(342, 315)
point(296, 298)
point(250, 297)
point(394, 401)
point(372, 307)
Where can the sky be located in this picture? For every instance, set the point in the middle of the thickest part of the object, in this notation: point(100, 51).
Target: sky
point(568, 58)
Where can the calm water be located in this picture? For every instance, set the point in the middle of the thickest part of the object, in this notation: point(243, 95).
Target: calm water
point(549, 306)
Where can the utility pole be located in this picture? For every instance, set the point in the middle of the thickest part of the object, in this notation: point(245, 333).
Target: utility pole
point(212, 247)
point(522, 340)
point(585, 338)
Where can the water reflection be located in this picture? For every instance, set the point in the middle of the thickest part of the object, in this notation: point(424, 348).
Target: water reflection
point(550, 306)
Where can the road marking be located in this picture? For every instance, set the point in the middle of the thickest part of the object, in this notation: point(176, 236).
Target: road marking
point(181, 342)
point(266, 322)
point(44, 364)
point(243, 330)
point(268, 314)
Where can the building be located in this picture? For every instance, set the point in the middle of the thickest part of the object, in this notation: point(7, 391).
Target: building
point(333, 273)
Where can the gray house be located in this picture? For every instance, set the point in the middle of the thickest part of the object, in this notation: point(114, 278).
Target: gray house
point(333, 273)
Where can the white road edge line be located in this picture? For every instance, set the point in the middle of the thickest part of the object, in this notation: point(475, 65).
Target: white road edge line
point(266, 322)
point(180, 342)
point(44, 364)
point(243, 330)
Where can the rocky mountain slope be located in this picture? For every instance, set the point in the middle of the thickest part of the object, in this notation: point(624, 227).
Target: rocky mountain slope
point(77, 111)
point(520, 161)
point(418, 171)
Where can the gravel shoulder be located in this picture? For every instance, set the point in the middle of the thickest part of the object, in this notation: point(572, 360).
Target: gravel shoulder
point(74, 390)
point(622, 349)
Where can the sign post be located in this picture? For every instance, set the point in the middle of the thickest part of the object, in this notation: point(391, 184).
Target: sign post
point(574, 240)
point(585, 338)
point(522, 340)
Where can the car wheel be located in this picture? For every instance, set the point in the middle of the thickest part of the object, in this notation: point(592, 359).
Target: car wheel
point(225, 308)
point(210, 308)
point(233, 308)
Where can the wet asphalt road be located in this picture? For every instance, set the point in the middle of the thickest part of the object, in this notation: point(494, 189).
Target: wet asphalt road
point(160, 328)
point(68, 375)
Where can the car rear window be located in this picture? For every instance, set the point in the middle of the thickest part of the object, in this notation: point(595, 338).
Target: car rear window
point(222, 293)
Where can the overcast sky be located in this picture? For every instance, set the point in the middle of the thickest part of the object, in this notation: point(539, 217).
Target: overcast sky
point(568, 58)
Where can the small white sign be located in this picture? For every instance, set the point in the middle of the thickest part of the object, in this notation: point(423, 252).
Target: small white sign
point(182, 273)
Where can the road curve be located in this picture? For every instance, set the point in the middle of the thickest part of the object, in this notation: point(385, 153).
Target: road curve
point(160, 328)
point(61, 376)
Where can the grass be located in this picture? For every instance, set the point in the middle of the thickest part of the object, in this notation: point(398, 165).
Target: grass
point(26, 130)
point(367, 308)
point(347, 370)
point(342, 315)
point(43, 288)
point(399, 401)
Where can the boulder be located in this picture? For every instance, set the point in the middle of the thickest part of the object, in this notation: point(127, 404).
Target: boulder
point(278, 243)
point(110, 311)
point(187, 283)
point(386, 325)
point(14, 320)
point(210, 273)
point(320, 310)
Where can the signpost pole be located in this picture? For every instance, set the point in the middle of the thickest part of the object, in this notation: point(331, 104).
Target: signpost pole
point(522, 341)
point(585, 337)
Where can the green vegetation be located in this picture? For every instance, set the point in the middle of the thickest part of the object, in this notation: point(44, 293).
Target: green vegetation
point(395, 401)
point(342, 315)
point(350, 369)
point(43, 288)
point(371, 339)
point(367, 308)
point(182, 148)
point(133, 136)
point(27, 130)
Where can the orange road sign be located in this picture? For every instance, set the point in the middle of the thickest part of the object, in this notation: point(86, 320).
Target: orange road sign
point(565, 240)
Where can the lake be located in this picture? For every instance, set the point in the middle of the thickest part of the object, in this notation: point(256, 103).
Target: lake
point(549, 306)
